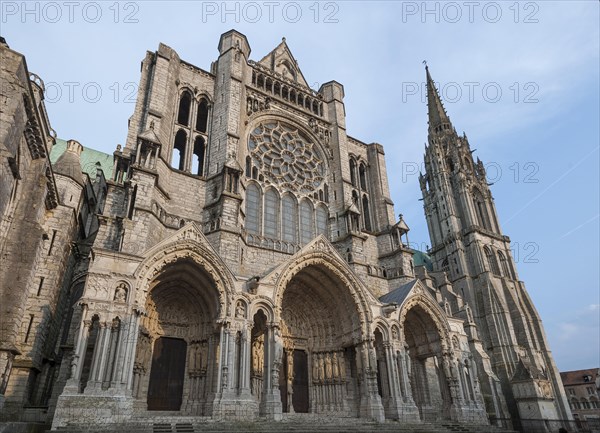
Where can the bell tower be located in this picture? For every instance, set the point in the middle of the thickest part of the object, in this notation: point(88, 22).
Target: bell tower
point(469, 246)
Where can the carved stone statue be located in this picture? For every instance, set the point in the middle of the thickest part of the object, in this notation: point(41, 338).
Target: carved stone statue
point(321, 375)
point(74, 360)
point(255, 350)
point(342, 363)
point(278, 346)
point(240, 310)
point(315, 367)
point(328, 369)
point(335, 366)
point(121, 293)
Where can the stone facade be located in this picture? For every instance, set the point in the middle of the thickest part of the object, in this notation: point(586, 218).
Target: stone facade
point(242, 259)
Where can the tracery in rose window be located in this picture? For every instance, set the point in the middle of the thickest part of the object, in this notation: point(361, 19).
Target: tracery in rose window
point(286, 157)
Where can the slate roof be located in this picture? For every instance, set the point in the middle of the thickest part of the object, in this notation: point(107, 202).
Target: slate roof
point(398, 295)
point(576, 377)
point(89, 158)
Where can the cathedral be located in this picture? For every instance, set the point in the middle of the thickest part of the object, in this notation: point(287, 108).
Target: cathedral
point(239, 258)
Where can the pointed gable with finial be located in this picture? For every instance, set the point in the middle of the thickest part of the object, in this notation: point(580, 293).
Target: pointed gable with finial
point(281, 61)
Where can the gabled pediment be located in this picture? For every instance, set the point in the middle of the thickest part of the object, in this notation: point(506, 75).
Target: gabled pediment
point(319, 244)
point(282, 61)
point(405, 292)
point(187, 238)
point(149, 135)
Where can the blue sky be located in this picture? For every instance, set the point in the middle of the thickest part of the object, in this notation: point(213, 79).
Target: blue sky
point(520, 78)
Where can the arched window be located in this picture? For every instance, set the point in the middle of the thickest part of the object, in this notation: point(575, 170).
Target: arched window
point(503, 264)
point(493, 266)
point(352, 172)
point(198, 160)
point(366, 213)
point(202, 116)
point(307, 231)
point(322, 216)
point(248, 166)
point(185, 103)
point(178, 156)
point(481, 209)
point(253, 209)
point(363, 176)
point(468, 165)
point(271, 214)
point(445, 267)
point(289, 218)
point(450, 164)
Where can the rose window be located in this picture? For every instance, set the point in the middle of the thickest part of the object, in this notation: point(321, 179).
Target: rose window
point(286, 157)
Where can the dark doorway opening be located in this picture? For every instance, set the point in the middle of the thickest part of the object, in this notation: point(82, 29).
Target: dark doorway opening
point(167, 373)
point(300, 382)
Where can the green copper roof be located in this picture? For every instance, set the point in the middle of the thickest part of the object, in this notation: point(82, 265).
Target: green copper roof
point(89, 158)
point(422, 259)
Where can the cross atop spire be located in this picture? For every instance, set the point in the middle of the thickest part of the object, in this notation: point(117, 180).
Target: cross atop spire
point(435, 108)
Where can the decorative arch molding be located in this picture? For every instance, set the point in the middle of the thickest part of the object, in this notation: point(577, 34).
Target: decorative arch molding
point(188, 243)
point(321, 253)
point(383, 327)
point(418, 297)
point(263, 304)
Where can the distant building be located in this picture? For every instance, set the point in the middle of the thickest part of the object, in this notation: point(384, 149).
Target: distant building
point(583, 391)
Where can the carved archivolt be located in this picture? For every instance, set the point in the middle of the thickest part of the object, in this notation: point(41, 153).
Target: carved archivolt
point(265, 305)
point(327, 261)
point(431, 308)
point(186, 247)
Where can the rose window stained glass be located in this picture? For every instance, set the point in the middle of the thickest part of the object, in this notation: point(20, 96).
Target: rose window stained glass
point(286, 157)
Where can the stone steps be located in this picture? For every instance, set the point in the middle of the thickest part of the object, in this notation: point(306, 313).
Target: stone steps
point(291, 425)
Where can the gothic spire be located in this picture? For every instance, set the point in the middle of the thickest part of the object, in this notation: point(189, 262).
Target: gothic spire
point(437, 113)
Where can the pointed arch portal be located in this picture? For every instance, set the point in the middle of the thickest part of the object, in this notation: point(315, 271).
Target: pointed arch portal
point(427, 370)
point(177, 345)
point(320, 325)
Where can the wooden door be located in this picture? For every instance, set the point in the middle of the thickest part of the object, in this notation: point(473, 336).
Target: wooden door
point(300, 382)
point(167, 373)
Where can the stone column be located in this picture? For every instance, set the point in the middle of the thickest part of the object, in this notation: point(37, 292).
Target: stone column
point(80, 344)
point(120, 336)
point(370, 402)
point(72, 384)
point(131, 344)
point(246, 348)
point(102, 342)
point(270, 405)
point(395, 400)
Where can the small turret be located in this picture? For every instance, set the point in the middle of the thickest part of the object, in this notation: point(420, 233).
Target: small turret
point(69, 163)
